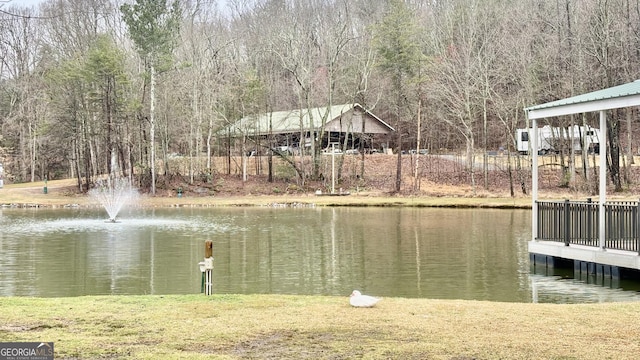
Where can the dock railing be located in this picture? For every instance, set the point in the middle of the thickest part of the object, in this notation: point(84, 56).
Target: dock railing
point(576, 222)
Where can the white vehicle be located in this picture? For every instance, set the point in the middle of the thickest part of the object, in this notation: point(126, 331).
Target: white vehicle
point(283, 150)
point(553, 139)
point(330, 150)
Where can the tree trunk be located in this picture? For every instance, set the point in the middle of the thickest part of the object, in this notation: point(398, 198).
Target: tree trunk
point(585, 151)
point(416, 174)
point(399, 161)
point(76, 163)
point(33, 137)
point(471, 164)
point(510, 173)
point(613, 135)
point(209, 136)
point(572, 156)
point(243, 158)
point(485, 158)
point(152, 127)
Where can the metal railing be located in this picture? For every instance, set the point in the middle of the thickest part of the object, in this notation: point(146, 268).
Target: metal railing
point(576, 222)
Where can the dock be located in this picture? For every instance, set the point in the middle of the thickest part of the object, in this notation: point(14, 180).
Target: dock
point(599, 237)
point(570, 230)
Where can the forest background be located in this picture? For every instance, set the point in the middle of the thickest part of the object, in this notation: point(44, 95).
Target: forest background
point(146, 86)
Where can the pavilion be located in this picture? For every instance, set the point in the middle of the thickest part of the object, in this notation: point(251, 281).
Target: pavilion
point(345, 122)
point(609, 243)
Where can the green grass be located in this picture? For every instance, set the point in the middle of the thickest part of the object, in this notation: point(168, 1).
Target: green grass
point(317, 327)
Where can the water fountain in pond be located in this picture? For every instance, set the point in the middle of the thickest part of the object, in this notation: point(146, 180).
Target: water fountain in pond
point(113, 192)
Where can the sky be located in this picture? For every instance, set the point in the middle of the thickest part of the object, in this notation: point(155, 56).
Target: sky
point(27, 3)
point(36, 2)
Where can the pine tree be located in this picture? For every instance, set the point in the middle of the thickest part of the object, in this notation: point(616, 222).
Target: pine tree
point(396, 41)
point(154, 26)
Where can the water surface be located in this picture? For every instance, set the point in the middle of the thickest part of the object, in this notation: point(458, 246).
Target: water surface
point(476, 254)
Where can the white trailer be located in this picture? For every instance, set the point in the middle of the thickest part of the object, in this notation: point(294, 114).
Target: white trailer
point(553, 139)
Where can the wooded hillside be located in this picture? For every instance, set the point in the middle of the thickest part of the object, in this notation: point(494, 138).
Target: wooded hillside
point(88, 86)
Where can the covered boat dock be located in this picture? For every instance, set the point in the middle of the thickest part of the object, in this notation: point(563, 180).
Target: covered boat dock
point(601, 237)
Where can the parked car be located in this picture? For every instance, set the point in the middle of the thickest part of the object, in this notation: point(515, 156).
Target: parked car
point(352, 152)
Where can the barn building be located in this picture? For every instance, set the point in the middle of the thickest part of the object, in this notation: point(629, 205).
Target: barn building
point(347, 127)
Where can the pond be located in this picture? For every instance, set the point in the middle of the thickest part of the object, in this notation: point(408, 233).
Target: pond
point(474, 254)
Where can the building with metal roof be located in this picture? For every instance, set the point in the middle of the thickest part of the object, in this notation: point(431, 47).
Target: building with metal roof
point(347, 124)
point(351, 118)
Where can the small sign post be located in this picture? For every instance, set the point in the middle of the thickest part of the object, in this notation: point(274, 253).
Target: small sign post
point(207, 267)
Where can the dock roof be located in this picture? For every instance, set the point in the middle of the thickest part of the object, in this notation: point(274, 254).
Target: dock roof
point(615, 97)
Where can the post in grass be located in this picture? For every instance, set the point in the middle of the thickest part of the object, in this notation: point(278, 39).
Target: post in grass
point(206, 268)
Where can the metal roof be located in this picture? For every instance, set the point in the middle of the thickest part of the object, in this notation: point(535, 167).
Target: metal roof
point(280, 122)
point(615, 97)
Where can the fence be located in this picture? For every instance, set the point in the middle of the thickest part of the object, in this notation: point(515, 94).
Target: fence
point(576, 222)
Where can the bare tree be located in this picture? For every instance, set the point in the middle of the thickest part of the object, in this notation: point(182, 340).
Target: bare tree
point(24, 112)
point(458, 81)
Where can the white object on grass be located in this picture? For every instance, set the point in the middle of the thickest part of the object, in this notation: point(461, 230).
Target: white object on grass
point(358, 300)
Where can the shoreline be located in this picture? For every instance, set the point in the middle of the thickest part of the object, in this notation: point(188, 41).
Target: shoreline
point(59, 195)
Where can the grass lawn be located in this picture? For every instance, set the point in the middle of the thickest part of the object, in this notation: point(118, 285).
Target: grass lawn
point(317, 327)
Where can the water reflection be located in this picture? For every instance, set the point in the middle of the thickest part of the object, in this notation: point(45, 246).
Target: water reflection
point(410, 252)
point(556, 289)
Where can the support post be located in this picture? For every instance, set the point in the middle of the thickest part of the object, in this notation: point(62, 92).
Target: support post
point(208, 267)
point(603, 178)
point(637, 229)
point(589, 221)
point(533, 146)
point(567, 221)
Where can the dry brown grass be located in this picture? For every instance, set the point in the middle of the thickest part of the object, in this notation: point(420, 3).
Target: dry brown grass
point(61, 193)
point(314, 327)
point(444, 181)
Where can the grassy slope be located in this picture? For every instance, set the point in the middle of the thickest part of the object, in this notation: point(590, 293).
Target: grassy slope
point(313, 327)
